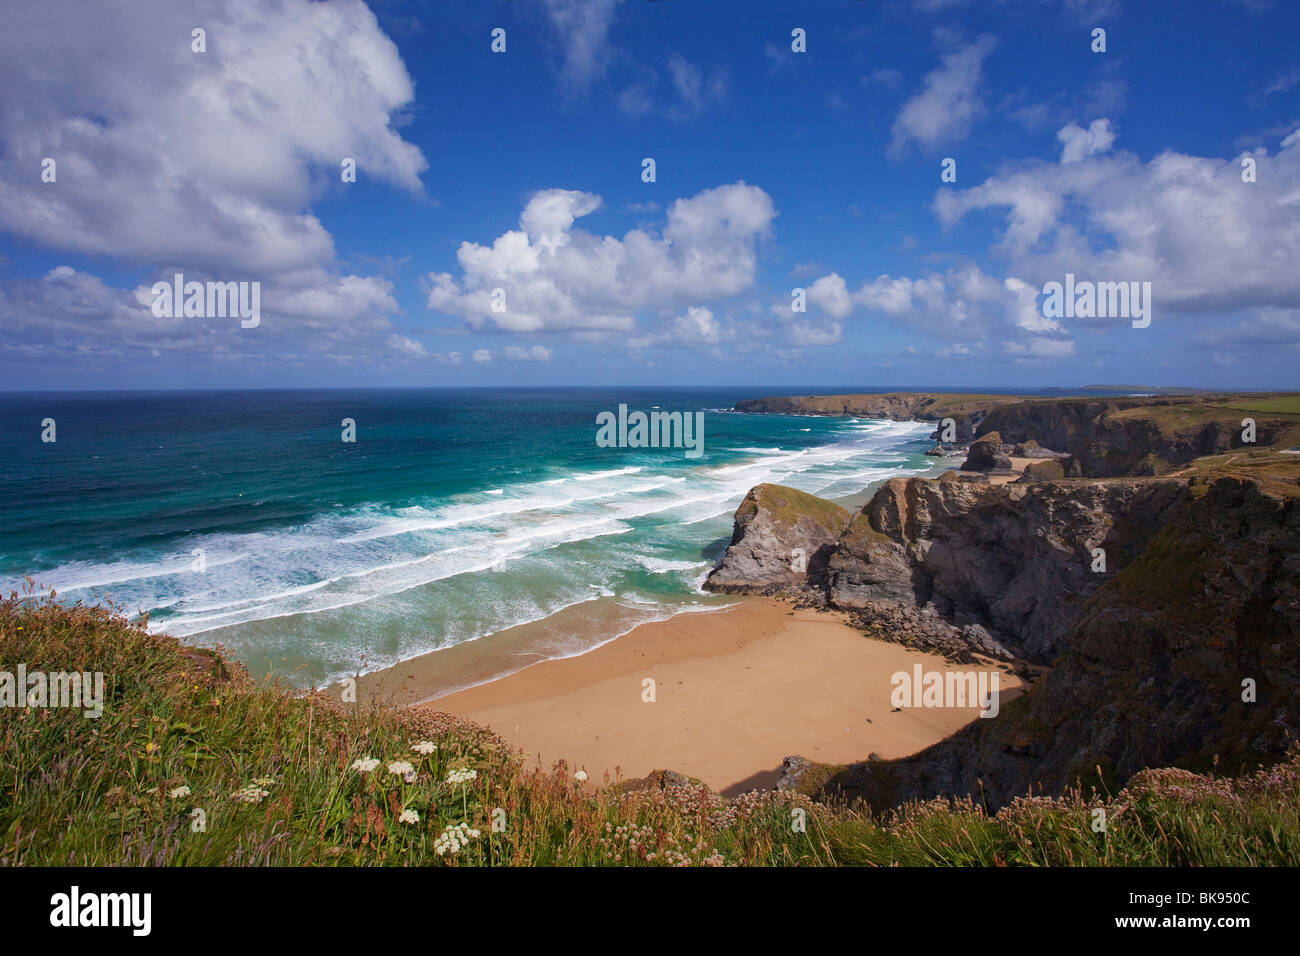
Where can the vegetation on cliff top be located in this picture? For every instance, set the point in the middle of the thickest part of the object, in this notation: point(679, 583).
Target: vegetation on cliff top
point(785, 506)
point(288, 779)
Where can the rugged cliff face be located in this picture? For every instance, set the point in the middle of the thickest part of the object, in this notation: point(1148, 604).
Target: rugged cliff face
point(1003, 569)
point(1153, 673)
point(1017, 560)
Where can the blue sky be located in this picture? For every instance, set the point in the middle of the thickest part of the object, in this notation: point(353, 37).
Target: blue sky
point(775, 170)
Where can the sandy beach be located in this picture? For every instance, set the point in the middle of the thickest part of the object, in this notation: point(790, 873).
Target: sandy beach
point(735, 691)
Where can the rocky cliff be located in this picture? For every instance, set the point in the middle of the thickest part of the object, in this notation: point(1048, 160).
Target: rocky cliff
point(1105, 438)
point(781, 538)
point(1188, 656)
point(1017, 560)
point(1133, 437)
point(1168, 608)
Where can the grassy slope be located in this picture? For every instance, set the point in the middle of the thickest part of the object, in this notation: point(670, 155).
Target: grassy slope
point(82, 791)
point(786, 506)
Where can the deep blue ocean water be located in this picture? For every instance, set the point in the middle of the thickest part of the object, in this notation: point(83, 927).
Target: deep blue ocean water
point(243, 518)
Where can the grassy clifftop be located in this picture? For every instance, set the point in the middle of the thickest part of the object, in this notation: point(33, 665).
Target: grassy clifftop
point(277, 780)
point(786, 507)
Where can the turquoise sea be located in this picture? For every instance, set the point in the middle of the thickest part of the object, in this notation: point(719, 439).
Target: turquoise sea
point(243, 519)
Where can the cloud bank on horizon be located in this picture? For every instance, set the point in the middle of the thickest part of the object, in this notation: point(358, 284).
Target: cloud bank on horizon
point(566, 192)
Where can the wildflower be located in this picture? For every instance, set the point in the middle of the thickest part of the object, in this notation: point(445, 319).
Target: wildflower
point(409, 816)
point(580, 776)
point(365, 764)
point(180, 792)
point(251, 794)
point(424, 747)
point(453, 838)
point(264, 782)
point(399, 767)
point(463, 775)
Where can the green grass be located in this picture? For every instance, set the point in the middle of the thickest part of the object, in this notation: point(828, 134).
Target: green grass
point(1283, 405)
point(81, 791)
point(786, 506)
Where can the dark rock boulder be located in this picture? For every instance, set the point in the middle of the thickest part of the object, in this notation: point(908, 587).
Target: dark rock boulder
point(793, 770)
point(1031, 449)
point(659, 780)
point(1041, 471)
point(986, 456)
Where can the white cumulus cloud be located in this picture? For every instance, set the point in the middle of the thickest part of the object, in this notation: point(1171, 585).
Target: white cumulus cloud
point(559, 278)
point(1079, 143)
point(949, 101)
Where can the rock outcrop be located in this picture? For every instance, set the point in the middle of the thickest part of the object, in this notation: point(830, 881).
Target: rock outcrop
point(658, 780)
point(1014, 559)
point(947, 564)
point(987, 456)
point(926, 629)
point(1031, 449)
point(1042, 471)
point(781, 538)
point(793, 770)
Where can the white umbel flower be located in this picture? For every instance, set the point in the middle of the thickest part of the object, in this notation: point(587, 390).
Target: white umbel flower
point(409, 816)
point(365, 764)
point(463, 775)
point(400, 767)
point(424, 747)
point(453, 838)
point(180, 792)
